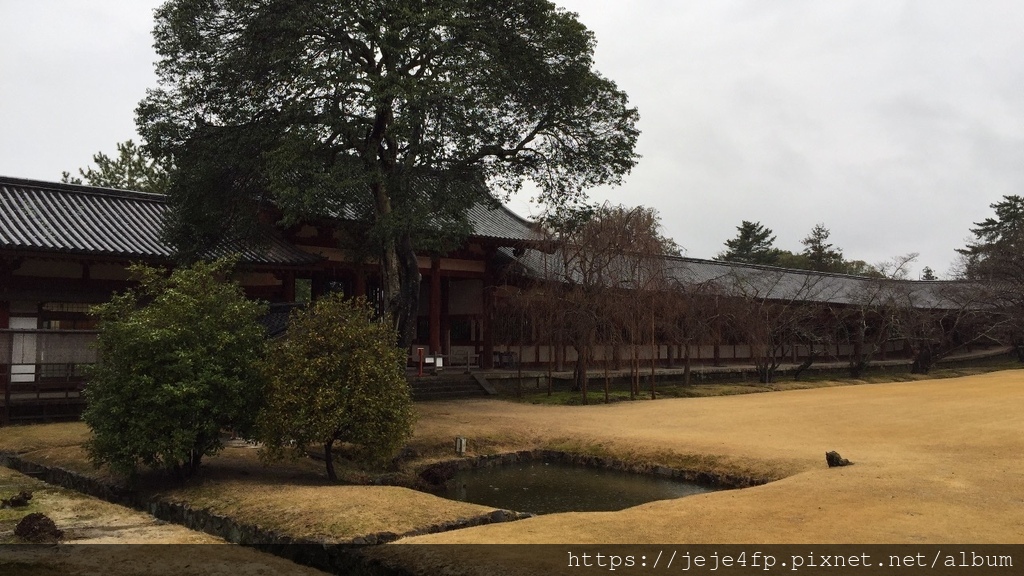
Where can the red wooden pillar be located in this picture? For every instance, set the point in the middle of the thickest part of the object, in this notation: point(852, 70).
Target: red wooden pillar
point(446, 321)
point(318, 285)
point(5, 314)
point(487, 321)
point(360, 284)
point(288, 286)
point(435, 306)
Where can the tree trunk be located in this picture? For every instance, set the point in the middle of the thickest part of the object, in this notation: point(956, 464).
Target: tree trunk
point(405, 304)
point(607, 379)
point(654, 360)
point(923, 360)
point(686, 364)
point(551, 359)
point(633, 370)
point(859, 360)
point(857, 367)
point(400, 273)
point(580, 373)
point(401, 284)
point(193, 465)
point(519, 366)
point(805, 365)
point(329, 459)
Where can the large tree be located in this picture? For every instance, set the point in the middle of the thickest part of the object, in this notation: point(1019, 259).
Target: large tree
point(754, 244)
point(997, 250)
point(392, 112)
point(994, 262)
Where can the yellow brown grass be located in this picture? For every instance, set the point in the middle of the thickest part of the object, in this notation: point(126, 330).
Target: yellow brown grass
point(935, 461)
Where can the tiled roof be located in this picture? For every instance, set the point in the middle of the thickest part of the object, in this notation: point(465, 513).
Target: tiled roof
point(769, 283)
point(75, 219)
point(500, 223)
point(788, 284)
point(488, 218)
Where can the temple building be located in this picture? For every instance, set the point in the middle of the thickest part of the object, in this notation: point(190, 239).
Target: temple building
point(66, 247)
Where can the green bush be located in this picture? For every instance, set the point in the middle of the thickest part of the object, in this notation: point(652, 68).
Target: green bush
point(178, 362)
point(336, 377)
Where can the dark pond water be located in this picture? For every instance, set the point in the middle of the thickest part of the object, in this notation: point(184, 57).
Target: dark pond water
point(544, 488)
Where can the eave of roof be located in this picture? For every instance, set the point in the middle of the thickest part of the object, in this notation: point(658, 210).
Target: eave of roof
point(49, 217)
point(500, 223)
point(771, 283)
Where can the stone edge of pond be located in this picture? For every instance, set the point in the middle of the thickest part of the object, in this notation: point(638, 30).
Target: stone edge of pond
point(435, 475)
point(334, 556)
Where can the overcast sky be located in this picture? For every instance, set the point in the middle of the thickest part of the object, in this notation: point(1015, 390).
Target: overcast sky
point(894, 123)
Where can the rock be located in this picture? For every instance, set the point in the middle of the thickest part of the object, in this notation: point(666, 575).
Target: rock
point(38, 528)
point(438, 474)
point(404, 455)
point(834, 459)
point(19, 500)
point(501, 516)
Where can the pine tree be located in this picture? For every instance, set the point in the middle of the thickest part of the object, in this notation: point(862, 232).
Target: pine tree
point(132, 169)
point(753, 244)
point(821, 256)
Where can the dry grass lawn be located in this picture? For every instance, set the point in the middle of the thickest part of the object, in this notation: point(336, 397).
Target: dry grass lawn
point(935, 461)
point(87, 520)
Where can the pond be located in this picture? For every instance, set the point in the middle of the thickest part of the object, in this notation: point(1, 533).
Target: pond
point(545, 488)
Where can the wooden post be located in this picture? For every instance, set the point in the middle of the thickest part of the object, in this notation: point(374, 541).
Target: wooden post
point(446, 321)
point(487, 321)
point(5, 369)
point(435, 305)
point(318, 285)
point(360, 283)
point(288, 286)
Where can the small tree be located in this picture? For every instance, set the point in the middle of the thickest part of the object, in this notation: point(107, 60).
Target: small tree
point(754, 244)
point(822, 256)
point(868, 322)
point(773, 311)
point(178, 364)
point(132, 169)
point(336, 377)
point(605, 253)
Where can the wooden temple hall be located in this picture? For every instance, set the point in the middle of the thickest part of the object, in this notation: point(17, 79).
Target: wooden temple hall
point(65, 247)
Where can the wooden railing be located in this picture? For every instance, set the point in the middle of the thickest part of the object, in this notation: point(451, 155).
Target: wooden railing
point(42, 372)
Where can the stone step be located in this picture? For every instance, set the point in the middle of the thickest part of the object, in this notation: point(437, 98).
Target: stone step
point(432, 389)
